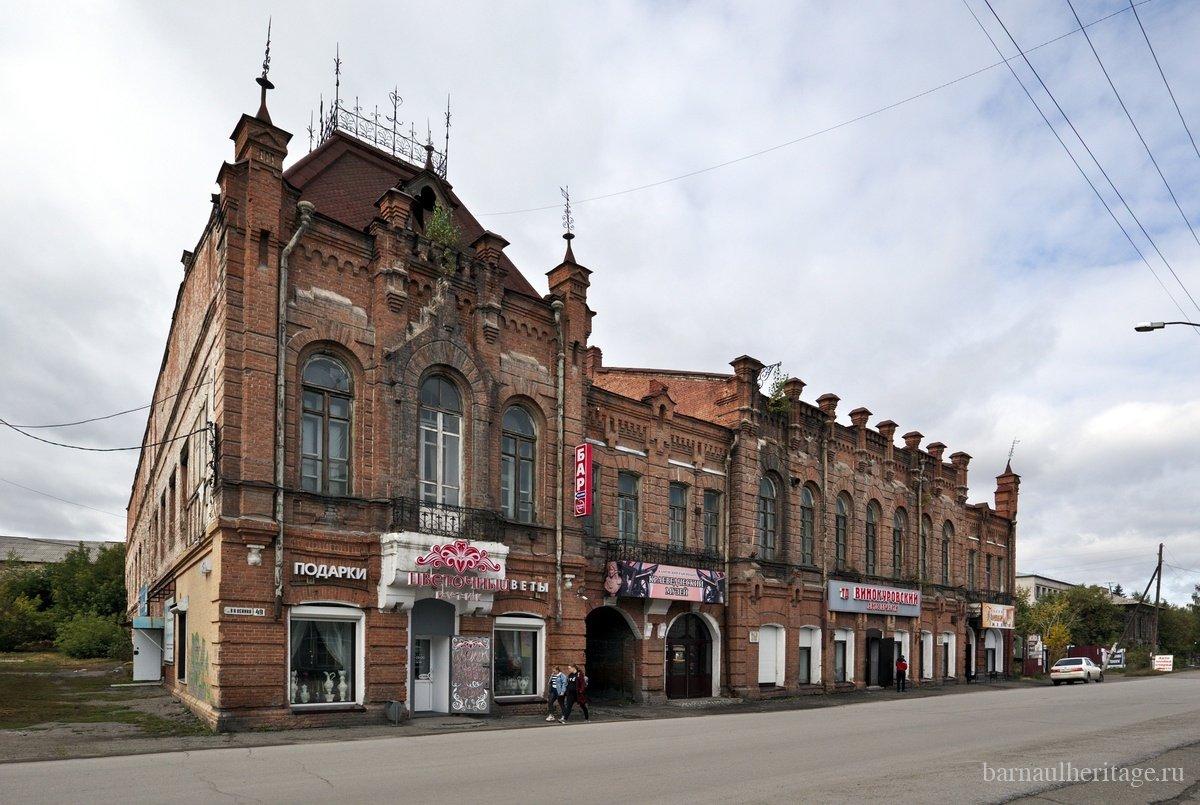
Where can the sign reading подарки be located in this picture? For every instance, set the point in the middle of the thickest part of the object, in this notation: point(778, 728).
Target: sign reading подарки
point(853, 596)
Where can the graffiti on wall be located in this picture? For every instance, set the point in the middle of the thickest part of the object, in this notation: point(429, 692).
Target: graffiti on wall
point(197, 668)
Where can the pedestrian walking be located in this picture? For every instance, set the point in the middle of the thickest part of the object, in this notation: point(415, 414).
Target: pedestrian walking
point(555, 690)
point(576, 693)
point(901, 674)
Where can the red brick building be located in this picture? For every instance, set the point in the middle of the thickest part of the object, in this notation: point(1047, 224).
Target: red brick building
point(363, 488)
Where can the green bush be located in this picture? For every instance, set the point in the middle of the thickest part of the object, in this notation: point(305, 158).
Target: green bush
point(23, 626)
point(1137, 659)
point(85, 636)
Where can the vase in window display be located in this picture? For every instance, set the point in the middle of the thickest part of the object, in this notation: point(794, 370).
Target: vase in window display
point(304, 694)
point(328, 686)
point(343, 687)
point(524, 683)
point(293, 687)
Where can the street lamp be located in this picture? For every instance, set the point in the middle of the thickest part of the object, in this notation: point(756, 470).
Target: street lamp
point(1147, 326)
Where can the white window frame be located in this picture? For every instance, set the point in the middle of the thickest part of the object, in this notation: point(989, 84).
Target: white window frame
point(847, 637)
point(926, 654)
point(811, 639)
point(343, 613)
point(779, 634)
point(949, 643)
point(901, 638)
point(441, 484)
point(515, 622)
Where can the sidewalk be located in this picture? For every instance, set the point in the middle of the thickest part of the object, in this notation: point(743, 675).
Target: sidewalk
point(65, 739)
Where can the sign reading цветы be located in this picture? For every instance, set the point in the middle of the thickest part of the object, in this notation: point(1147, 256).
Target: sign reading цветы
point(853, 596)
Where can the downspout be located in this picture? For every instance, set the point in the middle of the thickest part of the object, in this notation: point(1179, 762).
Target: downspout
point(827, 638)
point(725, 639)
point(560, 414)
point(305, 210)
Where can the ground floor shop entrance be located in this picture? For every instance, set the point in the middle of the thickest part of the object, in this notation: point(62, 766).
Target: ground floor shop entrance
point(610, 650)
point(433, 624)
point(880, 659)
point(689, 658)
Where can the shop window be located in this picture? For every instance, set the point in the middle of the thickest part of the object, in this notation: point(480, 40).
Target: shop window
point(325, 655)
point(899, 526)
point(841, 530)
point(627, 506)
point(519, 656)
point(872, 535)
point(712, 521)
point(441, 442)
point(767, 523)
point(518, 447)
point(677, 516)
point(808, 519)
point(325, 427)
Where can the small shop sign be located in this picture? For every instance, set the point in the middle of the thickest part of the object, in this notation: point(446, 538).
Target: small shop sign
point(1164, 662)
point(583, 480)
point(998, 616)
point(314, 571)
point(851, 596)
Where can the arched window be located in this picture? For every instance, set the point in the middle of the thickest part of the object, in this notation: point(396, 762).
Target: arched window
point(926, 527)
point(328, 398)
point(841, 530)
point(873, 518)
point(441, 441)
point(518, 446)
point(767, 522)
point(808, 518)
point(947, 535)
point(899, 526)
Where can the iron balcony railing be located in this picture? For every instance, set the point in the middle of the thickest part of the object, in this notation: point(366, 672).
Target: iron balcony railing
point(632, 551)
point(443, 520)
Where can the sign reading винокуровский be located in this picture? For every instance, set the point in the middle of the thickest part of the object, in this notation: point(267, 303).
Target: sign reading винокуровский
point(854, 596)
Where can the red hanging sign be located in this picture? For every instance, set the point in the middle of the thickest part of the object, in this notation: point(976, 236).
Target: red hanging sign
point(583, 480)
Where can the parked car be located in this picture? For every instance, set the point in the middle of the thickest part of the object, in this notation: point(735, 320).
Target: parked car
point(1076, 669)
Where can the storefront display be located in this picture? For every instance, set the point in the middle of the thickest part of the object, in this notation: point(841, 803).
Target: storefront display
point(516, 661)
point(325, 654)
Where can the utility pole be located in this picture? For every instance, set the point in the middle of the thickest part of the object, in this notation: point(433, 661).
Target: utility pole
point(1157, 591)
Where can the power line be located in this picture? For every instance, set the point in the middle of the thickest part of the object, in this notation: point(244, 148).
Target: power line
point(1086, 148)
point(1170, 92)
point(60, 500)
point(810, 135)
point(99, 449)
point(118, 413)
point(1136, 130)
point(1075, 161)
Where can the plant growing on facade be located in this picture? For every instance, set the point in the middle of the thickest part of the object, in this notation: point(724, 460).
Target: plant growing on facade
point(445, 237)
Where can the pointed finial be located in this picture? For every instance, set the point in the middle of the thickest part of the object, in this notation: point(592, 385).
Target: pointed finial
point(337, 76)
point(263, 81)
point(310, 131)
point(1011, 450)
point(568, 222)
point(446, 147)
point(428, 145)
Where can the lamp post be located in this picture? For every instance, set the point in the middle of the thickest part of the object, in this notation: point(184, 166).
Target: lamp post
point(1147, 326)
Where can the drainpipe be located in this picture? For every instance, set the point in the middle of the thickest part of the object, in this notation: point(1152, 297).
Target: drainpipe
point(560, 413)
point(826, 637)
point(725, 640)
point(305, 210)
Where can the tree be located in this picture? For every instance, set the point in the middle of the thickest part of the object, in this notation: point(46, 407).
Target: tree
point(80, 585)
point(1052, 612)
point(1177, 632)
point(1118, 591)
point(1096, 619)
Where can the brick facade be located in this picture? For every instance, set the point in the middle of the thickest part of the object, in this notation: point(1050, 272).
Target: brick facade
point(368, 287)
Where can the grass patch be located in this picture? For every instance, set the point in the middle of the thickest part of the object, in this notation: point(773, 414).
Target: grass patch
point(44, 688)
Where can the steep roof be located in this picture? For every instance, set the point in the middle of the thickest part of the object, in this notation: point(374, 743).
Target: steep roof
point(702, 395)
point(344, 177)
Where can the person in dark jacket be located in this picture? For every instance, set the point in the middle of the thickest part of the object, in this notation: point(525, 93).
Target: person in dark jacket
point(576, 693)
point(901, 674)
point(555, 689)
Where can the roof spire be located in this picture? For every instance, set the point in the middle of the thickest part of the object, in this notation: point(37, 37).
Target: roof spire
point(446, 147)
point(428, 145)
point(337, 78)
point(265, 82)
point(1011, 450)
point(568, 222)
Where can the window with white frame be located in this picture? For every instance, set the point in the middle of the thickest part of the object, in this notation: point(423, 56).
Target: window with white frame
point(772, 655)
point(677, 516)
point(325, 655)
point(325, 427)
point(843, 655)
point(441, 441)
point(519, 655)
point(809, 668)
point(518, 447)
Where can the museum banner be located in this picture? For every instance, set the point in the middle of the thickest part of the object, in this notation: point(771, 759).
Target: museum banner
point(652, 580)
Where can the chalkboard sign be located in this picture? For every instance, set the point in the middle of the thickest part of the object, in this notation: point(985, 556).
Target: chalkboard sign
point(471, 675)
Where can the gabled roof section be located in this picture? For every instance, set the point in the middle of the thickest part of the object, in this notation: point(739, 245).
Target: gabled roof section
point(702, 395)
point(344, 177)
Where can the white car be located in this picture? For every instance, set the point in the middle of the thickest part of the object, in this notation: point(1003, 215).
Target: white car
point(1076, 669)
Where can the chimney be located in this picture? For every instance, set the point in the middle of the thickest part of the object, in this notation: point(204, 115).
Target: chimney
point(887, 429)
point(828, 404)
point(912, 439)
point(1007, 487)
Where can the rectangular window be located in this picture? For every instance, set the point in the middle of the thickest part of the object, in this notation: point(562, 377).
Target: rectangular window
point(1000, 573)
point(987, 572)
point(712, 521)
point(804, 673)
point(515, 672)
point(807, 527)
point(945, 561)
point(627, 506)
point(677, 517)
point(324, 659)
point(871, 543)
point(971, 570)
point(591, 523)
point(839, 661)
point(897, 551)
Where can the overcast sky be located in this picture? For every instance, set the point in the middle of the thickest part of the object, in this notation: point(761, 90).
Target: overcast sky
point(941, 263)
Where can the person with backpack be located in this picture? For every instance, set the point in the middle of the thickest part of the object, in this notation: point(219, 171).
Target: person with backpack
point(901, 674)
point(576, 693)
point(555, 690)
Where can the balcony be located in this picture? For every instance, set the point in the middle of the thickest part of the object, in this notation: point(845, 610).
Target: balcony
point(629, 551)
point(443, 520)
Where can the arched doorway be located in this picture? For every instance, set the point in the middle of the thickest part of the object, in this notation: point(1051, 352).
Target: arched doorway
point(611, 650)
point(433, 622)
point(689, 658)
point(993, 643)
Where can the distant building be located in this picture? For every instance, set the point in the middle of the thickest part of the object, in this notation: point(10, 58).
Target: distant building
point(1039, 587)
point(1141, 631)
point(43, 551)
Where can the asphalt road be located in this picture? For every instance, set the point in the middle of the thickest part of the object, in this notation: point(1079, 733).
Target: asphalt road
point(913, 750)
